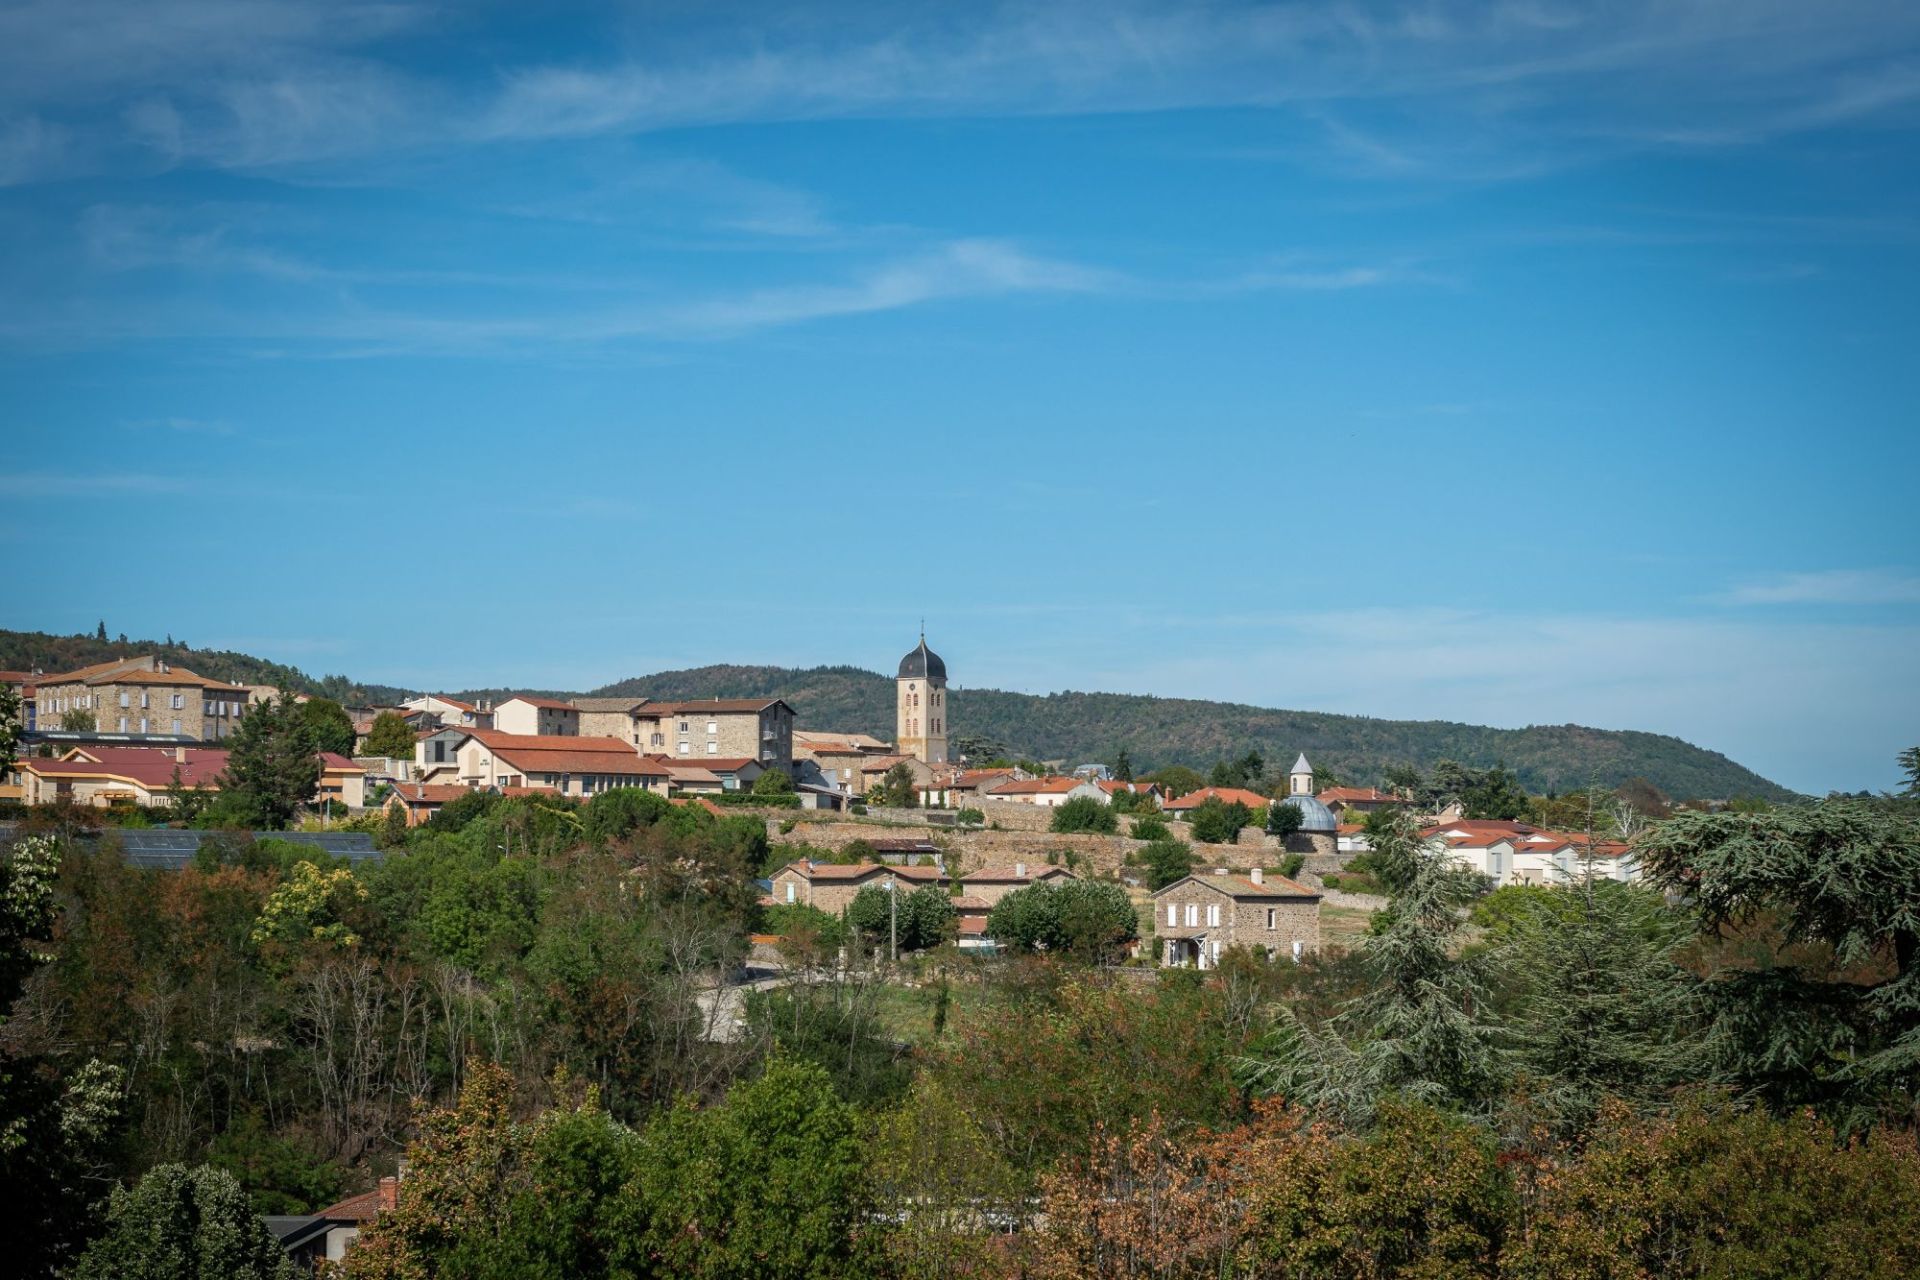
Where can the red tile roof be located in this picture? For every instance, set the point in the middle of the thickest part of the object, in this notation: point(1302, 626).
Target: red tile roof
point(1226, 795)
point(1038, 787)
point(859, 871)
point(1356, 795)
point(1238, 886)
point(563, 753)
point(656, 709)
point(149, 767)
point(1011, 875)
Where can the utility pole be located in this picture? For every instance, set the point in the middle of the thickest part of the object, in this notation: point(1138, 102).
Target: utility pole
point(893, 921)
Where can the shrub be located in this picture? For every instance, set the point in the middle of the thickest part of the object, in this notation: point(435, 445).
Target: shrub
point(970, 818)
point(1151, 827)
point(1166, 861)
point(1291, 864)
point(1214, 822)
point(1709, 1191)
point(1084, 814)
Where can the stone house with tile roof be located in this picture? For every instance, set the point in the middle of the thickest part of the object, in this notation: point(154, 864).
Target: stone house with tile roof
point(143, 697)
point(830, 886)
point(1198, 917)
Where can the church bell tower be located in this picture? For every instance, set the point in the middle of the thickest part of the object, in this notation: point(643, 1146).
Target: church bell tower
point(920, 705)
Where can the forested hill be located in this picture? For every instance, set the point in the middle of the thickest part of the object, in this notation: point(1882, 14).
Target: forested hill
point(39, 651)
point(1157, 731)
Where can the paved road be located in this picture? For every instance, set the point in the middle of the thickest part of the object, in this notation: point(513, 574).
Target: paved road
point(723, 1007)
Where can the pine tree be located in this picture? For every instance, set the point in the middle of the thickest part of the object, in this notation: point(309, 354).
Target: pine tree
point(1605, 1010)
point(1422, 1028)
point(273, 766)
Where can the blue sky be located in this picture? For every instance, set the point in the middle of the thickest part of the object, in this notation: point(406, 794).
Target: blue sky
point(1513, 363)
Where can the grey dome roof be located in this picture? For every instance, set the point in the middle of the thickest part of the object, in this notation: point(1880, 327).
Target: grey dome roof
point(922, 664)
point(1314, 816)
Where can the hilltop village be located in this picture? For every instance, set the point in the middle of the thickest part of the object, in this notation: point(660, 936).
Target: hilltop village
point(1208, 867)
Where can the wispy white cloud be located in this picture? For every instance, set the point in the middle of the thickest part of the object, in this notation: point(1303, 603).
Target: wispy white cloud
point(1830, 586)
point(227, 82)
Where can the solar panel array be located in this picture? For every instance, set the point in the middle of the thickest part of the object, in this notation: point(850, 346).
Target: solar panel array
point(171, 850)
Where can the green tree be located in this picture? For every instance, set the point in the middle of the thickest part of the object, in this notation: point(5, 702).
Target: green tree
point(1150, 826)
point(329, 726)
point(1421, 1028)
point(970, 818)
point(770, 1184)
point(927, 918)
point(1176, 780)
point(1123, 766)
point(1091, 919)
point(1709, 1190)
point(1166, 860)
point(389, 736)
point(774, 782)
point(78, 721)
point(1604, 1011)
point(1218, 822)
point(489, 1197)
point(1823, 897)
point(1910, 768)
point(100, 632)
point(1497, 795)
point(10, 726)
point(273, 767)
point(617, 814)
point(897, 789)
point(1283, 819)
point(182, 1223)
point(1084, 814)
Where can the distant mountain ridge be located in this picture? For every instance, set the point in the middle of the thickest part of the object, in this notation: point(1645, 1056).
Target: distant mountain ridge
point(1160, 731)
point(1072, 726)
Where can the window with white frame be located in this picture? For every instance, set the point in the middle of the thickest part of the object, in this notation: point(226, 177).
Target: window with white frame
point(1173, 915)
point(713, 726)
point(123, 724)
point(1193, 915)
point(1213, 915)
point(685, 747)
point(176, 728)
point(124, 698)
point(179, 701)
point(713, 748)
point(1273, 918)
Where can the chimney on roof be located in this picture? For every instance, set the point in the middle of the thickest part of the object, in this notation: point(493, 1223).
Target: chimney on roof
point(1219, 871)
point(1020, 868)
point(180, 755)
point(1258, 877)
point(389, 1194)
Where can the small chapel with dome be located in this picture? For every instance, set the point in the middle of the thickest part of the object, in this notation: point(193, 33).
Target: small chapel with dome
point(920, 706)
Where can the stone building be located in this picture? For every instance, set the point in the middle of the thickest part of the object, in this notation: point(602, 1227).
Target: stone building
point(1200, 916)
point(829, 886)
point(756, 728)
point(143, 697)
point(1319, 825)
point(920, 705)
point(611, 718)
